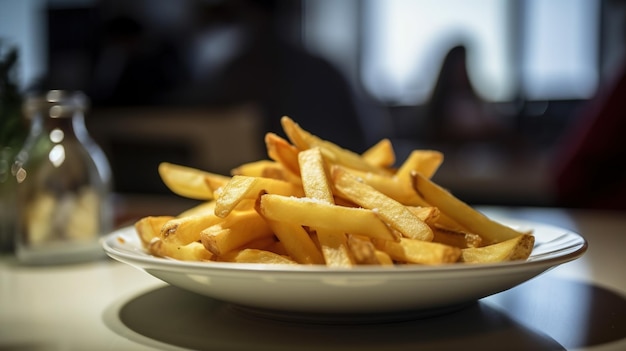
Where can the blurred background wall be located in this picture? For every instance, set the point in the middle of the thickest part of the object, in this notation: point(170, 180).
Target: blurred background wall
point(499, 86)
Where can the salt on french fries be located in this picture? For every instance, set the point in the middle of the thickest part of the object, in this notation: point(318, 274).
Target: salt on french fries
point(315, 203)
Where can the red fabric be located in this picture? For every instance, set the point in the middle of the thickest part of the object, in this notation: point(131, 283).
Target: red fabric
point(591, 165)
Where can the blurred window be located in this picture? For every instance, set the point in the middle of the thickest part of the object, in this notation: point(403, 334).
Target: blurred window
point(539, 49)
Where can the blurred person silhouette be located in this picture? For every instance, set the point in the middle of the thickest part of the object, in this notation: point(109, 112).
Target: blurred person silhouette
point(282, 78)
point(456, 114)
point(132, 66)
point(590, 162)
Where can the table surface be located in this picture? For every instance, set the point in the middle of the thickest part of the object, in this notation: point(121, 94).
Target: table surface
point(107, 305)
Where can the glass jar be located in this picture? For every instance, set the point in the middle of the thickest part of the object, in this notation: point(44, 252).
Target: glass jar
point(63, 183)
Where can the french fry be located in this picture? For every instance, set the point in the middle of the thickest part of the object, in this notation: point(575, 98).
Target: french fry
point(391, 211)
point(401, 191)
point(188, 182)
point(303, 140)
point(419, 251)
point(476, 222)
point(297, 242)
point(383, 258)
point(428, 214)
point(314, 176)
point(380, 154)
point(184, 230)
point(266, 169)
point(314, 202)
point(425, 162)
point(333, 243)
point(318, 214)
point(234, 231)
point(193, 251)
point(149, 227)
point(256, 168)
point(518, 248)
point(456, 238)
point(279, 150)
point(362, 250)
point(256, 256)
point(243, 187)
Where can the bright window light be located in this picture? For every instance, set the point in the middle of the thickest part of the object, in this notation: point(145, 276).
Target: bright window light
point(549, 52)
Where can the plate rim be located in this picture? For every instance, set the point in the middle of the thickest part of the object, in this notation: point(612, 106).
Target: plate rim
point(143, 260)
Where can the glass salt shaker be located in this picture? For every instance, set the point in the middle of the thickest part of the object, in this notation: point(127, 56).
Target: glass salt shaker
point(64, 183)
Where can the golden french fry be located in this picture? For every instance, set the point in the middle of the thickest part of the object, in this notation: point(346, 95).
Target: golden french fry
point(184, 230)
point(491, 231)
point(317, 214)
point(255, 256)
point(243, 187)
point(391, 186)
point(419, 251)
point(383, 258)
point(456, 238)
point(425, 162)
point(264, 243)
point(279, 150)
point(334, 247)
point(362, 250)
point(391, 211)
point(297, 242)
point(314, 202)
point(518, 248)
point(304, 140)
point(193, 251)
point(149, 228)
point(187, 181)
point(215, 181)
point(315, 183)
point(430, 215)
point(235, 231)
point(266, 169)
point(314, 179)
point(380, 154)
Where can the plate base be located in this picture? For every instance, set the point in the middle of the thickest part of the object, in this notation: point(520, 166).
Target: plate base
point(344, 318)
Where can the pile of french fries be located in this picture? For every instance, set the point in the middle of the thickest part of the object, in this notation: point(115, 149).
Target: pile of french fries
point(313, 202)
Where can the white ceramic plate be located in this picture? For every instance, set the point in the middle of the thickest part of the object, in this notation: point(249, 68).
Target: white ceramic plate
point(272, 290)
